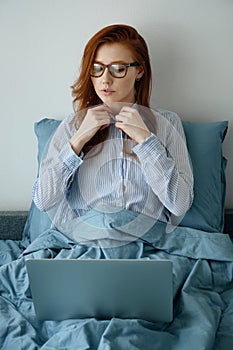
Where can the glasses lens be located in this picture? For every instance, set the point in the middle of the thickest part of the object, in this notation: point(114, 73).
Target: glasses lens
point(97, 70)
point(117, 70)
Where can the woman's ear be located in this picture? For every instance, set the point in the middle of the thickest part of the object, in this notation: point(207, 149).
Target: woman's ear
point(139, 73)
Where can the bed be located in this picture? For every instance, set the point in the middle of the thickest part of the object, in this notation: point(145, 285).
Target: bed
point(200, 248)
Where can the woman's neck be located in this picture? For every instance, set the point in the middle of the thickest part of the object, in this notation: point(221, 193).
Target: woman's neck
point(117, 106)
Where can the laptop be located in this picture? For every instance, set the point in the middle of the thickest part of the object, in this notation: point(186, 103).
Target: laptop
point(101, 288)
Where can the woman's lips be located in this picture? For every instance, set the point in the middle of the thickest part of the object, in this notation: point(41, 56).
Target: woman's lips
point(107, 92)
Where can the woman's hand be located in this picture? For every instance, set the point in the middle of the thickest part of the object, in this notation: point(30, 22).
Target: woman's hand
point(96, 118)
point(130, 121)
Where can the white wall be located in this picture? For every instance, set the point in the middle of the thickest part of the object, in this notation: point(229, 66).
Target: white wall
point(41, 44)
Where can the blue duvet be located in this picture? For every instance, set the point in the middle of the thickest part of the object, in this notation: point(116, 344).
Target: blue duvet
point(203, 291)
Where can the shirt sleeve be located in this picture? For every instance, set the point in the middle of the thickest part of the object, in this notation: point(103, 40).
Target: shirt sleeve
point(166, 164)
point(57, 168)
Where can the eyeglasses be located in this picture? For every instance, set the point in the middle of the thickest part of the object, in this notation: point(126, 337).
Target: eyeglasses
point(117, 70)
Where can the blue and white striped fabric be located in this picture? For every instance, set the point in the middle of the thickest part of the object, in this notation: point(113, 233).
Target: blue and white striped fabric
point(153, 178)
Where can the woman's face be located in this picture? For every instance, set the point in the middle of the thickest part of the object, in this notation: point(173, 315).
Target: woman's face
point(111, 89)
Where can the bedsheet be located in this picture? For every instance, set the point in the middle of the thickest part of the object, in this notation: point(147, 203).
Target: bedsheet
point(203, 293)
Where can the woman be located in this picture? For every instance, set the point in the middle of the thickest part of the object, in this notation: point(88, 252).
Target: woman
point(115, 153)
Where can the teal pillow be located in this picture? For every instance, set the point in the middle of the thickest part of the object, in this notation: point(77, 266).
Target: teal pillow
point(38, 221)
point(204, 143)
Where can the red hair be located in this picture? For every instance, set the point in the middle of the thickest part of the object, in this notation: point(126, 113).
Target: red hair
point(83, 90)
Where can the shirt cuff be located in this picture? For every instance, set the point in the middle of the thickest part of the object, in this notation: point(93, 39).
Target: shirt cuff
point(151, 145)
point(71, 159)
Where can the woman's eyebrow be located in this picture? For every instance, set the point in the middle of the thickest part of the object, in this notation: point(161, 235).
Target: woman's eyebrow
point(113, 62)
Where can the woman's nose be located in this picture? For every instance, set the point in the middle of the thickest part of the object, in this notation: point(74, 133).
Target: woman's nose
point(106, 77)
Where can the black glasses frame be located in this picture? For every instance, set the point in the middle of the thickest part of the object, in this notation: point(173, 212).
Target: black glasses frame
point(126, 65)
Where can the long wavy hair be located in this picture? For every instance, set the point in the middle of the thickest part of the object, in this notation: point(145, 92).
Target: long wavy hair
point(83, 92)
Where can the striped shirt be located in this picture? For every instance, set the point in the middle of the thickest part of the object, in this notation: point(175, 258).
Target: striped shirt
point(153, 177)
